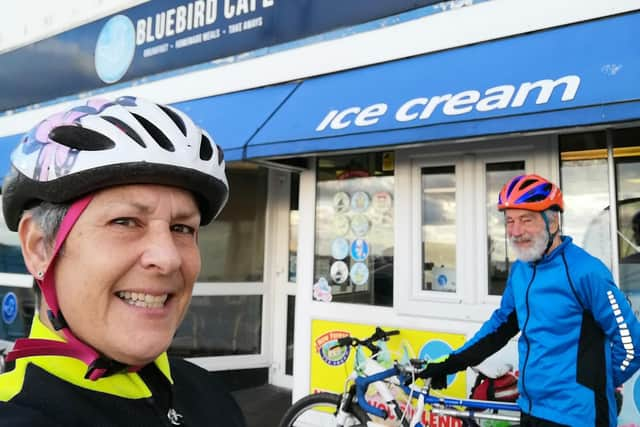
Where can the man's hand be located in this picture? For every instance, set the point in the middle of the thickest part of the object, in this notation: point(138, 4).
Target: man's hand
point(438, 371)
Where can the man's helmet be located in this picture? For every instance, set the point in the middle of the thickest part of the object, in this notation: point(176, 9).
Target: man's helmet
point(530, 192)
point(103, 144)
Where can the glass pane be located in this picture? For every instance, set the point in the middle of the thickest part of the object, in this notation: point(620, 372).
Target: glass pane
point(291, 316)
point(584, 183)
point(10, 254)
point(439, 228)
point(354, 229)
point(220, 325)
point(498, 249)
point(626, 145)
point(293, 226)
point(232, 246)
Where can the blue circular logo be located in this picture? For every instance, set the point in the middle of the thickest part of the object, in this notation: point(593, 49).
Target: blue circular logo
point(442, 280)
point(115, 48)
point(9, 308)
point(359, 250)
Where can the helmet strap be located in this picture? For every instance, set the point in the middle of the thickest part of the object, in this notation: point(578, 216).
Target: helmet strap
point(98, 366)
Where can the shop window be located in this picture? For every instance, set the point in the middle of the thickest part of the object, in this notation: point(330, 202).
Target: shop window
point(439, 228)
point(220, 325)
point(587, 186)
point(354, 229)
point(232, 246)
point(626, 151)
point(499, 250)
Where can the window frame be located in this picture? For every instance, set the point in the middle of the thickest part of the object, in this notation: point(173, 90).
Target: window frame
point(471, 300)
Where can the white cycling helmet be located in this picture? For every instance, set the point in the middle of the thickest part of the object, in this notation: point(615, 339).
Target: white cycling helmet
point(103, 144)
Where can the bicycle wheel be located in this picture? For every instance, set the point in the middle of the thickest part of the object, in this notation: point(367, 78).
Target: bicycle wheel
point(319, 410)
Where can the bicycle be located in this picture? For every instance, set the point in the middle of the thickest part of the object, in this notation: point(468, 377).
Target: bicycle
point(351, 408)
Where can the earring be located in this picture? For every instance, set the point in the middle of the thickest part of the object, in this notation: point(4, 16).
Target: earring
point(40, 274)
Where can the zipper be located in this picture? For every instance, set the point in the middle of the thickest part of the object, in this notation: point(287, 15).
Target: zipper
point(161, 399)
point(526, 338)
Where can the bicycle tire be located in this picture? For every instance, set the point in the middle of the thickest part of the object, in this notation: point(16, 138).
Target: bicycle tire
point(300, 413)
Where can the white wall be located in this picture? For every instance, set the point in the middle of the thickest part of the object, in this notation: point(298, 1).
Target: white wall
point(26, 21)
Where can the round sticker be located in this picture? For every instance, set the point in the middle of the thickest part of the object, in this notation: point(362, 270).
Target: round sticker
point(9, 308)
point(341, 224)
point(360, 201)
point(340, 248)
point(341, 202)
point(339, 272)
point(360, 224)
point(359, 250)
point(359, 274)
point(381, 201)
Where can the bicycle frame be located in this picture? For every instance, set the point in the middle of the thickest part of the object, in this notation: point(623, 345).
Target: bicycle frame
point(440, 405)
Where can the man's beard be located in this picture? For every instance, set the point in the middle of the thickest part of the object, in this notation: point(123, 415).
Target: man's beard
point(535, 251)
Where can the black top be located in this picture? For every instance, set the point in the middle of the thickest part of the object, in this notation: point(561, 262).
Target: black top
point(195, 399)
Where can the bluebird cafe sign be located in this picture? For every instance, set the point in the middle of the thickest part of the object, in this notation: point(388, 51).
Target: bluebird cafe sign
point(163, 35)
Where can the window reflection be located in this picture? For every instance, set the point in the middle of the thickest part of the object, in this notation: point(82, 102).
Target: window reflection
point(626, 151)
point(439, 228)
point(232, 246)
point(498, 250)
point(220, 325)
point(584, 183)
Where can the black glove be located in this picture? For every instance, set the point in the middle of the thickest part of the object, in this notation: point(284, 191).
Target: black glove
point(438, 371)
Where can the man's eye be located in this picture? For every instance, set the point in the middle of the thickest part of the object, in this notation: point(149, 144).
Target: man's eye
point(182, 228)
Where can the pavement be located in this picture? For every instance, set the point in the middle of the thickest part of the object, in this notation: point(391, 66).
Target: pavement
point(264, 405)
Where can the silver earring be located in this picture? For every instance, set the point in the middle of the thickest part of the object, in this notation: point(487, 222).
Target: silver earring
point(40, 274)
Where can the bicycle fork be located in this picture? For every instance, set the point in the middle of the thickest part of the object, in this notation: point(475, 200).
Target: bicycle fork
point(344, 409)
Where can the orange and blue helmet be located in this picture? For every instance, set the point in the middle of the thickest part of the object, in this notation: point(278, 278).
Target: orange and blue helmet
point(531, 192)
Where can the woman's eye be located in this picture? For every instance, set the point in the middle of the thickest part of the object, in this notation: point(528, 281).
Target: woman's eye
point(128, 222)
point(182, 228)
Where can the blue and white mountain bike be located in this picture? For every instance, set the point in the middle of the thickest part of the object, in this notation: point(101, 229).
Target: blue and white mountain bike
point(351, 408)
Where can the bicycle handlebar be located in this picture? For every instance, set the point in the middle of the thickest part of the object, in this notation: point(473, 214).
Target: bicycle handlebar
point(378, 335)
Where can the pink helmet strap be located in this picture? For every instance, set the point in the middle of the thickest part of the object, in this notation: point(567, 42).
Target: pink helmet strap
point(98, 365)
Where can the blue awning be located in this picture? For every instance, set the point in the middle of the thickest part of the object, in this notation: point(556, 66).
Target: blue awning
point(233, 119)
point(581, 74)
point(230, 119)
point(576, 75)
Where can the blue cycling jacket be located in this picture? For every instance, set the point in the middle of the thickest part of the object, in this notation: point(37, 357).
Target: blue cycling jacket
point(579, 337)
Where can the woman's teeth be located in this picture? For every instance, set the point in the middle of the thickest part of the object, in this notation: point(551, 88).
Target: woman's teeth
point(140, 299)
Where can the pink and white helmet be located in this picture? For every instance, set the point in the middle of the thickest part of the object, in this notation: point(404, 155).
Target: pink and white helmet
point(103, 144)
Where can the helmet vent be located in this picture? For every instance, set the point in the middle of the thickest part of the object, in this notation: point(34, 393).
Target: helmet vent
point(220, 155)
point(206, 150)
point(126, 129)
point(155, 133)
point(80, 138)
point(175, 117)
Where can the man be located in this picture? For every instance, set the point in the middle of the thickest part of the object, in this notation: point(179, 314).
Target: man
point(107, 199)
point(579, 338)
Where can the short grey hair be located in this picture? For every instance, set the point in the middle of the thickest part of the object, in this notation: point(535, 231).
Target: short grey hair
point(47, 216)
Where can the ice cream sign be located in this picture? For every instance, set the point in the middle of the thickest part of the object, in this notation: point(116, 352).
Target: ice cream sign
point(421, 109)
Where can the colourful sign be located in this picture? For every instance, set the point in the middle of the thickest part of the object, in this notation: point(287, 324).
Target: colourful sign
point(330, 366)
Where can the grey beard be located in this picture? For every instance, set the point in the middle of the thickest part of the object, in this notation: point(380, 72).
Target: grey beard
point(533, 253)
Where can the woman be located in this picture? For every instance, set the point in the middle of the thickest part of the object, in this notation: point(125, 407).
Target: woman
point(107, 199)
